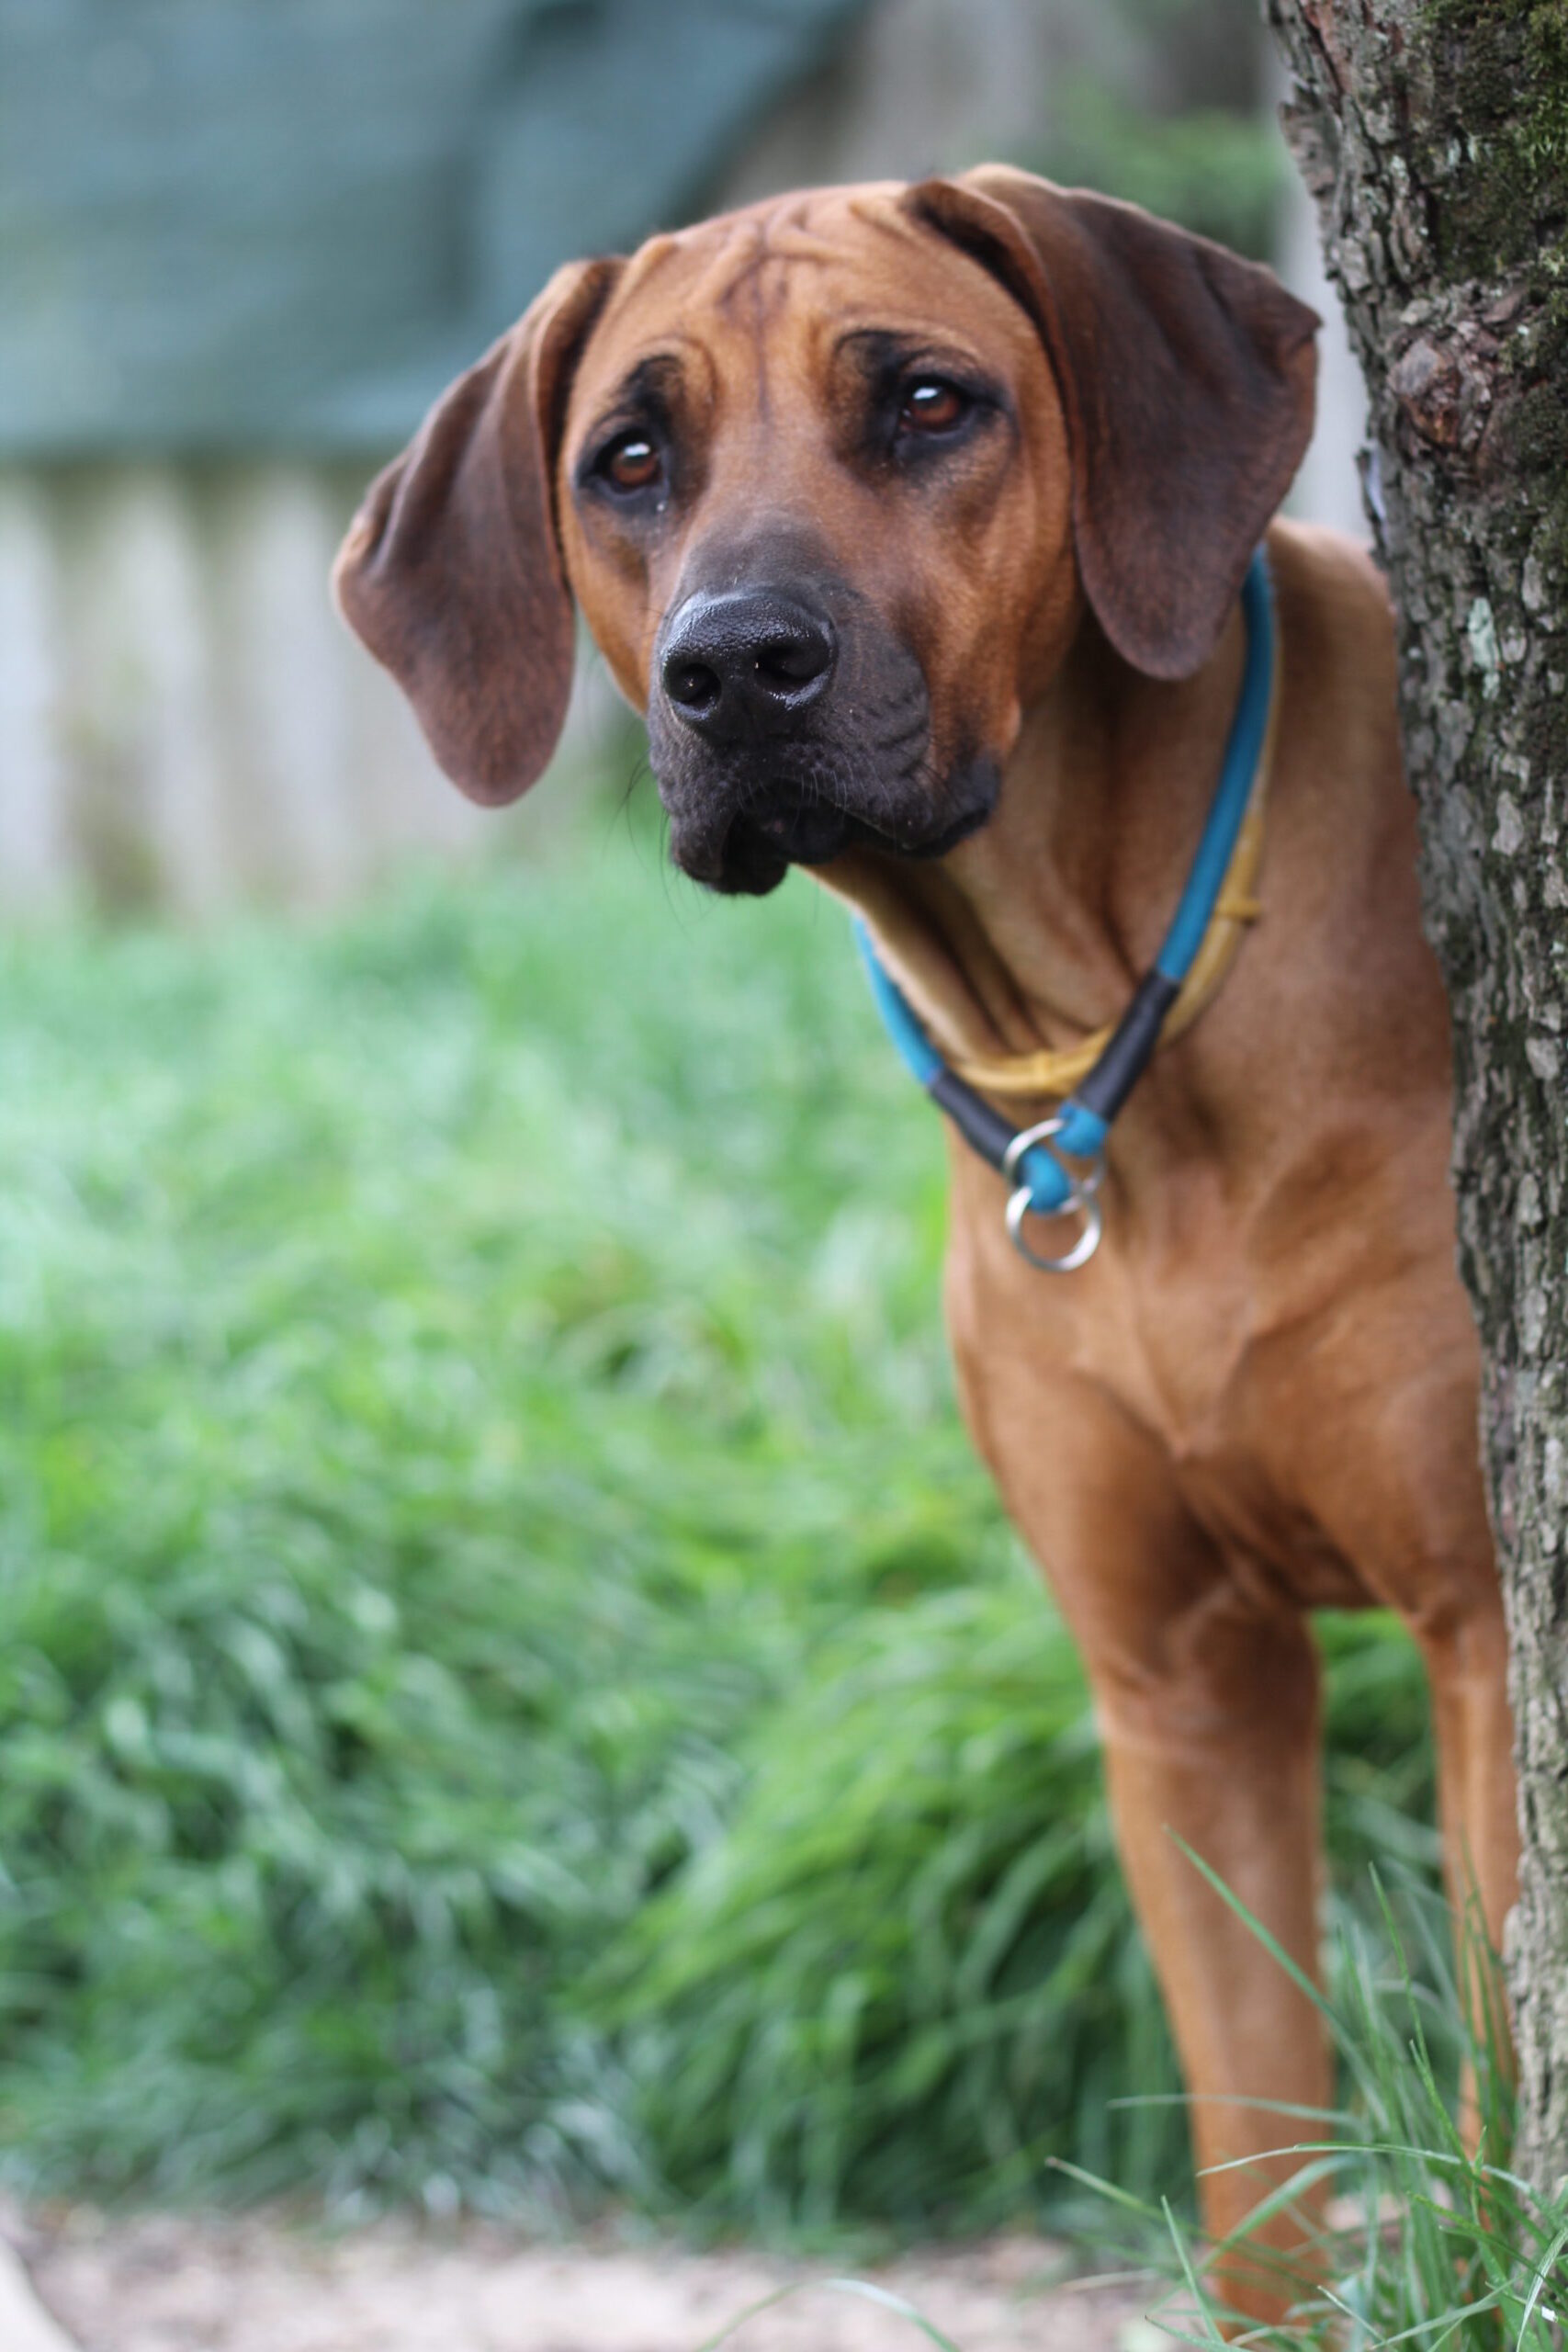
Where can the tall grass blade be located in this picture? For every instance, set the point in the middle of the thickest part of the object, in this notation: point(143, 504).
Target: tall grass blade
point(861, 2287)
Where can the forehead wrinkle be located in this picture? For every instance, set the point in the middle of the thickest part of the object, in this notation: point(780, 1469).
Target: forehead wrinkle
point(647, 262)
point(758, 241)
point(731, 268)
point(759, 283)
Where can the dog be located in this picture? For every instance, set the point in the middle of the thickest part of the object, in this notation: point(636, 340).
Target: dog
point(914, 518)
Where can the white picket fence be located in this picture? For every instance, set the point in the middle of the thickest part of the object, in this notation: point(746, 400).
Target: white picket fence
point(182, 717)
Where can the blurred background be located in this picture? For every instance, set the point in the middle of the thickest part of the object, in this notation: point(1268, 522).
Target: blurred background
point(513, 1690)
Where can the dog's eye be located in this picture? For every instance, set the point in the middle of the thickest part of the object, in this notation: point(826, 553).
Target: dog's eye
point(631, 463)
point(930, 405)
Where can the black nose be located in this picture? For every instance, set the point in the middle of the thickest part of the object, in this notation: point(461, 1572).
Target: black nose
point(745, 663)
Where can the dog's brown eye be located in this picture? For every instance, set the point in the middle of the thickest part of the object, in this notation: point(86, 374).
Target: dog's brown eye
point(631, 463)
point(932, 405)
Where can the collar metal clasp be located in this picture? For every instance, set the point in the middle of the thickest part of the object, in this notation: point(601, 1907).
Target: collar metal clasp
point(1082, 1197)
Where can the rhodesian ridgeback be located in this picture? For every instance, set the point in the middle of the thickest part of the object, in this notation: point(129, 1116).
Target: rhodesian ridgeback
point(914, 518)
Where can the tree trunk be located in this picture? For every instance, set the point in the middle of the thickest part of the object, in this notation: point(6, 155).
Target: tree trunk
point(1434, 137)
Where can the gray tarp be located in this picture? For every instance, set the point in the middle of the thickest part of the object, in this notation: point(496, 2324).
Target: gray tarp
point(232, 224)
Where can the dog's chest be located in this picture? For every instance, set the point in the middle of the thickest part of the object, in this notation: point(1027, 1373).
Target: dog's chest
point(1153, 1386)
point(1237, 1413)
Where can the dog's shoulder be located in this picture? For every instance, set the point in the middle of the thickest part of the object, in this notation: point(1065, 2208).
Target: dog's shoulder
point(1328, 577)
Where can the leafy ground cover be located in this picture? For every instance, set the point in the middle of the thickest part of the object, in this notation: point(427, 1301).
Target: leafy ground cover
point(511, 1687)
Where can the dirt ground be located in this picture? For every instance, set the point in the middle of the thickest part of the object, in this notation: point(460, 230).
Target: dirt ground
point(174, 2285)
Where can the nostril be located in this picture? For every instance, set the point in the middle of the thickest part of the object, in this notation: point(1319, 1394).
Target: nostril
point(789, 661)
point(693, 685)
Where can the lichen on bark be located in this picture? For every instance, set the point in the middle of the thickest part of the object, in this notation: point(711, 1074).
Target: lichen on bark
point(1433, 135)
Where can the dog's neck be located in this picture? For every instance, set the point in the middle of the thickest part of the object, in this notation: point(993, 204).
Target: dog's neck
point(1035, 929)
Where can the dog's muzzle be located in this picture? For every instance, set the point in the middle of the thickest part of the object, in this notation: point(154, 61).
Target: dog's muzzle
point(787, 727)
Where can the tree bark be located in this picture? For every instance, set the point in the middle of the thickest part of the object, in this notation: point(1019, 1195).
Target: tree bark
point(1434, 135)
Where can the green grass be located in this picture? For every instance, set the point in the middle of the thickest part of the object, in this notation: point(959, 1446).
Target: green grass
point(1429, 2239)
point(511, 1687)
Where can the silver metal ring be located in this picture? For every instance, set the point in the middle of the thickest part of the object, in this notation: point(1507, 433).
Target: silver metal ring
point(1084, 1187)
point(1083, 1249)
point(1081, 1193)
point(1026, 1139)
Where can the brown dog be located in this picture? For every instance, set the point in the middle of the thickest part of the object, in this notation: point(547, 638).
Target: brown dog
point(914, 518)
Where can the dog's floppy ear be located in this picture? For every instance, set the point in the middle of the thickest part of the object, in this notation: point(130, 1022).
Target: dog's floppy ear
point(451, 570)
point(1187, 376)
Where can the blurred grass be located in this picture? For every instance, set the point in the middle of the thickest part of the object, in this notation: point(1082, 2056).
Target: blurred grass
point(511, 1687)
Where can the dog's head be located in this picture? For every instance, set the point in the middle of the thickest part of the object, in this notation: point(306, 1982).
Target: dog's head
point(833, 481)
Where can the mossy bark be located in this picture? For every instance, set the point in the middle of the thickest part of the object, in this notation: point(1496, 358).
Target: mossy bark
point(1434, 137)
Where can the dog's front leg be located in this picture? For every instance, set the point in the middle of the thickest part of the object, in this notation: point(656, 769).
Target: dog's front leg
point(1211, 1742)
point(1209, 1711)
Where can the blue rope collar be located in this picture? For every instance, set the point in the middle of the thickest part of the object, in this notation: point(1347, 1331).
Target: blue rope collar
point(1035, 1157)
